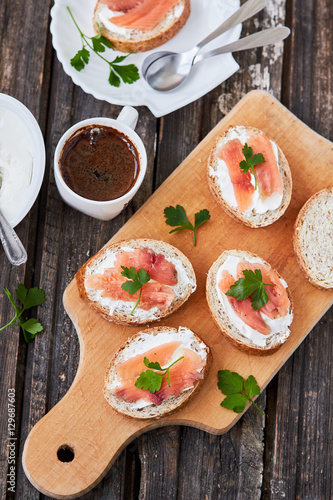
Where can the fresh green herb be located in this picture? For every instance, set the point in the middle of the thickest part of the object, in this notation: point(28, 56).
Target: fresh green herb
point(152, 381)
point(250, 284)
point(250, 161)
point(135, 283)
point(128, 73)
point(237, 390)
point(176, 216)
point(28, 298)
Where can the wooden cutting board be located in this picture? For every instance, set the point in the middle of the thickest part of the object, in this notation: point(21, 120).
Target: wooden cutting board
point(83, 421)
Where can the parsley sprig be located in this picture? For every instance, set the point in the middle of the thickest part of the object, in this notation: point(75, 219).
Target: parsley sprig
point(136, 280)
point(28, 298)
point(127, 73)
point(237, 390)
point(151, 380)
point(251, 161)
point(250, 284)
point(176, 216)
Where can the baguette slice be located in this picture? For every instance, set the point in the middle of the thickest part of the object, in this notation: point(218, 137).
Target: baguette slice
point(141, 343)
point(134, 40)
point(222, 189)
point(313, 239)
point(119, 311)
point(232, 327)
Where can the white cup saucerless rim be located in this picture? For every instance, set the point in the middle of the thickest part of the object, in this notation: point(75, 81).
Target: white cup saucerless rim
point(129, 115)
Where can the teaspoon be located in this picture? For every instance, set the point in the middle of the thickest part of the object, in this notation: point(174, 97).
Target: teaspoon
point(11, 243)
point(168, 72)
point(247, 10)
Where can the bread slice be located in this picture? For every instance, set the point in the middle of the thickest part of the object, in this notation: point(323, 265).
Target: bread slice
point(119, 311)
point(130, 40)
point(221, 187)
point(232, 327)
point(313, 239)
point(141, 343)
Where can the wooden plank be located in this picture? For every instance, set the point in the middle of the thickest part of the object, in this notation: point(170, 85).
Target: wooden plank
point(98, 348)
point(301, 410)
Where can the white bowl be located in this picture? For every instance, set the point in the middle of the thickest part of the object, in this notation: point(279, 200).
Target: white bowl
point(104, 210)
point(33, 131)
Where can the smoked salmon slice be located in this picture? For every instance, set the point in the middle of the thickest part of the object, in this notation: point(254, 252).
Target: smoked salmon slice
point(268, 175)
point(121, 5)
point(182, 375)
point(134, 366)
point(146, 15)
point(158, 267)
point(153, 294)
point(243, 308)
point(278, 302)
point(231, 153)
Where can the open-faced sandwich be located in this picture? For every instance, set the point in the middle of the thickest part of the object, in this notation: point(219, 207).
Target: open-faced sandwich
point(313, 239)
point(249, 301)
point(136, 281)
point(156, 372)
point(140, 25)
point(249, 176)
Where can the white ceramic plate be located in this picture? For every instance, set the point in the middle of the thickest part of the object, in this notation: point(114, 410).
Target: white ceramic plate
point(36, 138)
point(205, 16)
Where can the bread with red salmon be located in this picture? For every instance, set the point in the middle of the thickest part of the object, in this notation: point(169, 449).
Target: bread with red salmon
point(313, 239)
point(172, 281)
point(140, 25)
point(163, 345)
point(261, 331)
point(235, 190)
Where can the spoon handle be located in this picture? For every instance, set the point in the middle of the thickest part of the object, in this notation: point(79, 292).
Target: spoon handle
point(259, 39)
point(248, 9)
point(12, 245)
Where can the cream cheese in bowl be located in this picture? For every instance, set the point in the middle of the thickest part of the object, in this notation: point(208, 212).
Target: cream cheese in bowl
point(22, 159)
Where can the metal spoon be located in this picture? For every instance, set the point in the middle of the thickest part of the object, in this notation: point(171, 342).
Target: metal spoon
point(168, 72)
point(247, 10)
point(11, 243)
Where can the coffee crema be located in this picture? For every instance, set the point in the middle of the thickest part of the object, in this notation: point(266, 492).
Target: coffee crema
point(99, 163)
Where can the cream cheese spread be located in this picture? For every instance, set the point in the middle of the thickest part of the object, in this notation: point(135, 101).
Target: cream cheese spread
point(223, 180)
point(183, 335)
point(16, 163)
point(277, 325)
point(105, 14)
point(126, 307)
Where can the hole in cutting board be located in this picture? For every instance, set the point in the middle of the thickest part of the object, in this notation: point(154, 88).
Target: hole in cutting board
point(65, 453)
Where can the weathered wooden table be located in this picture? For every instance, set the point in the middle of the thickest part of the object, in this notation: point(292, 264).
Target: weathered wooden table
point(286, 455)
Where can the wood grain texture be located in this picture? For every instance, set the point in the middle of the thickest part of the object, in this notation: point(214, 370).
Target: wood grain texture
point(99, 339)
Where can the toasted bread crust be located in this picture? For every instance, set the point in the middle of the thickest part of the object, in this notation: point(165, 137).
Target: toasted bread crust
point(253, 220)
point(151, 40)
point(124, 318)
point(313, 226)
point(220, 317)
point(166, 407)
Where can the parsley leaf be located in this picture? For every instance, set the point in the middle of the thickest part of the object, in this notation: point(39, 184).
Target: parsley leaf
point(237, 390)
point(176, 216)
point(250, 284)
point(128, 73)
point(152, 381)
point(136, 281)
point(250, 161)
point(28, 298)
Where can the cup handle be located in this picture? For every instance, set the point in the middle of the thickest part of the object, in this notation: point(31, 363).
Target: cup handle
point(129, 116)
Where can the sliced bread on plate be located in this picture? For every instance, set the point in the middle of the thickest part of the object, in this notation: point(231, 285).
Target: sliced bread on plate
point(164, 345)
point(313, 239)
point(172, 281)
point(255, 197)
point(140, 25)
point(261, 331)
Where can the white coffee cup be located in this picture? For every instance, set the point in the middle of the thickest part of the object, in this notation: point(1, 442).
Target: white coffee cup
point(104, 210)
